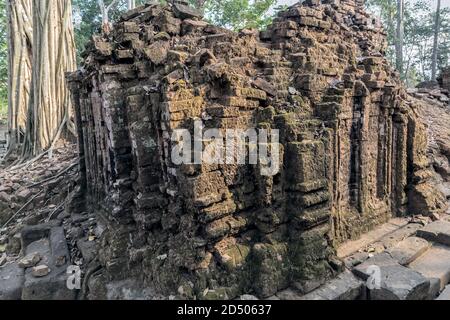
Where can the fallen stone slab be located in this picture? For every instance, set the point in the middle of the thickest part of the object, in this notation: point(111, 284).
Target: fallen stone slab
point(345, 287)
point(288, 294)
point(248, 297)
point(392, 239)
point(87, 248)
point(129, 289)
point(391, 281)
point(214, 80)
point(48, 281)
point(387, 241)
point(186, 12)
point(40, 271)
point(435, 288)
point(30, 234)
point(400, 283)
point(11, 282)
point(409, 250)
point(30, 260)
point(435, 263)
point(445, 295)
point(3, 259)
point(438, 231)
point(370, 237)
point(383, 259)
point(356, 259)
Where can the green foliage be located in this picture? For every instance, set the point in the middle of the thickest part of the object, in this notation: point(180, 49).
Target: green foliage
point(233, 14)
point(239, 14)
point(3, 61)
point(88, 14)
point(89, 20)
point(418, 38)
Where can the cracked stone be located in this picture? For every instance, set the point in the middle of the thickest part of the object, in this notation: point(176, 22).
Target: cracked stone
point(445, 295)
point(409, 250)
point(434, 264)
point(438, 231)
point(40, 271)
point(30, 260)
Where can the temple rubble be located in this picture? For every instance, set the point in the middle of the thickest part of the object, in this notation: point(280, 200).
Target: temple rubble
point(353, 156)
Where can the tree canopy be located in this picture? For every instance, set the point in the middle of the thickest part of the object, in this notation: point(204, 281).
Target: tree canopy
point(233, 14)
point(419, 17)
point(3, 62)
point(239, 14)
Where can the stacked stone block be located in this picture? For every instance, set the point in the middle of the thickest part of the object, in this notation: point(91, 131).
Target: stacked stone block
point(350, 146)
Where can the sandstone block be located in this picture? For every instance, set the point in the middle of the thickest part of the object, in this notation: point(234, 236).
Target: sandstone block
point(445, 295)
point(30, 260)
point(345, 287)
point(409, 250)
point(435, 263)
point(40, 271)
point(186, 12)
point(396, 282)
point(438, 231)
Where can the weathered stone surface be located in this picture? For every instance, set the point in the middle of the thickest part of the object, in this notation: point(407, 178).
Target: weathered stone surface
point(356, 258)
point(248, 297)
point(3, 259)
point(30, 260)
point(11, 278)
point(288, 294)
point(392, 239)
point(438, 231)
point(186, 12)
point(397, 282)
point(400, 283)
point(40, 271)
point(345, 287)
point(445, 295)
point(409, 250)
point(88, 249)
point(48, 279)
point(14, 245)
point(435, 263)
point(381, 232)
point(380, 260)
point(273, 268)
point(351, 144)
point(435, 288)
point(433, 106)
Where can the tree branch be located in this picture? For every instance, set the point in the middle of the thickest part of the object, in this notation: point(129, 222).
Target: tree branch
point(111, 5)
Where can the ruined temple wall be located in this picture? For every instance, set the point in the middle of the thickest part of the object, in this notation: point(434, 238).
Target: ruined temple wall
point(349, 138)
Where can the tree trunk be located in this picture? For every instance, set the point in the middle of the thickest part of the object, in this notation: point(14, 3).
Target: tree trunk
point(53, 56)
point(399, 37)
point(104, 9)
point(20, 39)
point(131, 4)
point(437, 26)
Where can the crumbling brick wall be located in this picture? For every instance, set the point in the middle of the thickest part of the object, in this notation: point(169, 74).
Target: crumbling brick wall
point(353, 150)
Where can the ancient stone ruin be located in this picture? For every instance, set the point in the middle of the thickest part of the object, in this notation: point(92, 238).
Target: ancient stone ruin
point(352, 155)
